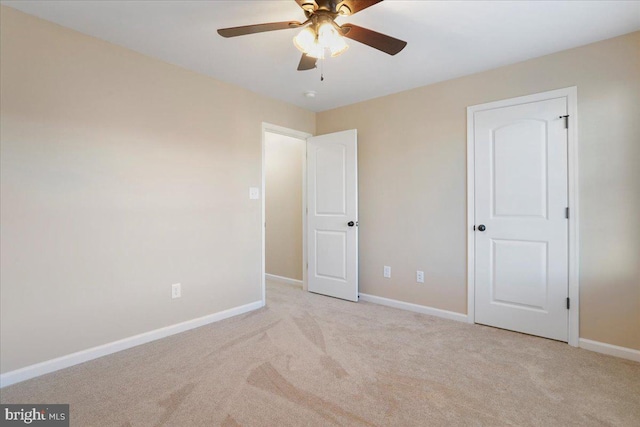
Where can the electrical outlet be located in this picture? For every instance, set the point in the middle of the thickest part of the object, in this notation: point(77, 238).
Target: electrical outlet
point(387, 271)
point(420, 276)
point(176, 290)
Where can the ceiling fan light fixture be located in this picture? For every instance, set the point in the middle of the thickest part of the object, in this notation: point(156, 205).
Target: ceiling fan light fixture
point(338, 47)
point(327, 34)
point(314, 44)
point(305, 39)
point(329, 38)
point(316, 51)
point(307, 43)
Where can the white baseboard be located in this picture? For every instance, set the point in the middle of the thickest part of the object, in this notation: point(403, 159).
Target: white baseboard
point(610, 349)
point(282, 279)
point(451, 315)
point(32, 371)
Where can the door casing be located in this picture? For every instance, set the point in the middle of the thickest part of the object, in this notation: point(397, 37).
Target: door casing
point(280, 130)
point(571, 94)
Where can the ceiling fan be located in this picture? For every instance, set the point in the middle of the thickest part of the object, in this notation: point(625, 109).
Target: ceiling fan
point(322, 33)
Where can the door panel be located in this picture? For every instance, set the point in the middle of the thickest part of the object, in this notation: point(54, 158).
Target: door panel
point(521, 196)
point(331, 188)
point(332, 196)
point(519, 170)
point(331, 254)
point(519, 273)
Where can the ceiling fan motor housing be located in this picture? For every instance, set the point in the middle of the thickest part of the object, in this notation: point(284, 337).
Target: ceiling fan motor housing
point(332, 6)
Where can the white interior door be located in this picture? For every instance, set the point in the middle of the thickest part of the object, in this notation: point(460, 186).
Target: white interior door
point(332, 221)
point(521, 237)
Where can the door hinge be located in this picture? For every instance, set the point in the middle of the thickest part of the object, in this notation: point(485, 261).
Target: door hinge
point(568, 303)
point(566, 120)
point(566, 212)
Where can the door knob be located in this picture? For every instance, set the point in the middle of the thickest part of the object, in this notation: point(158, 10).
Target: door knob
point(481, 227)
point(351, 223)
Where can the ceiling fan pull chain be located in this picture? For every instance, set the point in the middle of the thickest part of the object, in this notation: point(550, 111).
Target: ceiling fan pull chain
point(321, 69)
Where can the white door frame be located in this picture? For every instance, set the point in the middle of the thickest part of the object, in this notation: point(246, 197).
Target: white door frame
point(271, 128)
point(571, 93)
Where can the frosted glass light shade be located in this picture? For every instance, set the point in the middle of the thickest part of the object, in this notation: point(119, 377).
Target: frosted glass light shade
point(307, 43)
point(327, 38)
point(304, 40)
point(338, 47)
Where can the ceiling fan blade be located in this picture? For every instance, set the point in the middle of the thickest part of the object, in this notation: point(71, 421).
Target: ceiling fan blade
point(383, 42)
point(258, 28)
point(307, 63)
point(355, 6)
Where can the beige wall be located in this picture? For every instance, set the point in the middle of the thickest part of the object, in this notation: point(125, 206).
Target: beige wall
point(121, 175)
point(412, 177)
point(284, 157)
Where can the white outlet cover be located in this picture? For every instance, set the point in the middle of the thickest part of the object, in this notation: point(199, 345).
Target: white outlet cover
point(176, 290)
point(387, 271)
point(420, 276)
point(254, 193)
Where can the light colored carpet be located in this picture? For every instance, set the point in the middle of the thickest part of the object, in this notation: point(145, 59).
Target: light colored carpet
point(309, 360)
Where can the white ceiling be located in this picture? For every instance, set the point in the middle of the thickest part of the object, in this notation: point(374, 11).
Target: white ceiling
point(446, 39)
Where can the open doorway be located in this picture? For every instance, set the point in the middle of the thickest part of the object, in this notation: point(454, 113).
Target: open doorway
point(284, 205)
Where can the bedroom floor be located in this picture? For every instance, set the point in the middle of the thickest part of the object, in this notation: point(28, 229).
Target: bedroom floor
point(311, 360)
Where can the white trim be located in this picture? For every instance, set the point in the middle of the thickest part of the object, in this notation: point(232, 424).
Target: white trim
point(574, 217)
point(282, 279)
point(32, 371)
point(471, 203)
point(610, 349)
point(271, 128)
point(571, 93)
point(305, 261)
point(451, 315)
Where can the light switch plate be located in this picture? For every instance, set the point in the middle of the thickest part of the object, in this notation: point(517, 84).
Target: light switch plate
point(254, 193)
